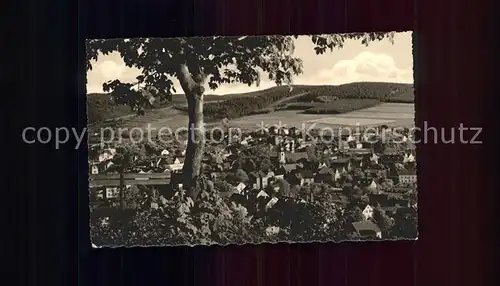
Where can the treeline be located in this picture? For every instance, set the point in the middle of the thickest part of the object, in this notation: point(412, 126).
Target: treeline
point(342, 106)
point(363, 90)
point(241, 106)
point(407, 96)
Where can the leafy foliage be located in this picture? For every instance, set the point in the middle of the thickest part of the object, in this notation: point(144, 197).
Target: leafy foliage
point(220, 59)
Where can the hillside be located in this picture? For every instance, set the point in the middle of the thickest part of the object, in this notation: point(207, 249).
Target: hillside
point(312, 99)
point(101, 108)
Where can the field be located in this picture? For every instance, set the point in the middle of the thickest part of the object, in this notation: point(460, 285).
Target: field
point(391, 114)
point(318, 99)
point(328, 106)
point(342, 105)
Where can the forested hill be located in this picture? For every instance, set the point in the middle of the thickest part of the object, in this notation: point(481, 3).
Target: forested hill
point(324, 98)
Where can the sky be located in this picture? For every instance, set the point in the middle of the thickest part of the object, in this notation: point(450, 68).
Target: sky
point(379, 62)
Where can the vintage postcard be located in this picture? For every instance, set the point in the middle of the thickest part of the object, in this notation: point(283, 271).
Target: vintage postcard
point(252, 139)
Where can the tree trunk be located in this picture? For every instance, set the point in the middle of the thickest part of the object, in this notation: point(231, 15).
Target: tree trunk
point(196, 131)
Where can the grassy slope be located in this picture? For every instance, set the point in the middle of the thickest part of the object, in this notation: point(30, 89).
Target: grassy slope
point(100, 107)
point(319, 99)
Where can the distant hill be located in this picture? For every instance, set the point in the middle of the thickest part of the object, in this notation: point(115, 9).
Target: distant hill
point(314, 99)
point(319, 99)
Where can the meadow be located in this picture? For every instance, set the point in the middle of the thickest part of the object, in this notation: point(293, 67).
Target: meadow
point(364, 104)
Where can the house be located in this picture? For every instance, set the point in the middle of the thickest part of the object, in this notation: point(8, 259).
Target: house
point(307, 176)
point(367, 229)
point(325, 175)
point(357, 162)
point(350, 138)
point(277, 140)
point(294, 131)
point(94, 170)
point(297, 156)
point(109, 153)
point(102, 157)
point(342, 164)
point(259, 180)
point(408, 158)
point(262, 194)
point(336, 175)
point(376, 173)
point(321, 165)
point(289, 168)
point(342, 145)
point(103, 166)
point(407, 176)
point(387, 159)
point(367, 184)
point(280, 173)
point(112, 192)
point(271, 203)
point(367, 212)
point(290, 146)
point(273, 130)
point(162, 162)
point(294, 178)
point(340, 199)
point(240, 187)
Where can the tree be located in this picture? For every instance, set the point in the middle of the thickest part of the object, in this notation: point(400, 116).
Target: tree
point(249, 165)
point(384, 222)
point(241, 175)
point(265, 164)
point(213, 60)
point(386, 184)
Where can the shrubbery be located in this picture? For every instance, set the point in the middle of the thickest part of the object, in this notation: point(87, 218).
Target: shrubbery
point(216, 220)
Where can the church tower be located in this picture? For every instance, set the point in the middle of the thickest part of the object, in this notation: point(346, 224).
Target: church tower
point(281, 156)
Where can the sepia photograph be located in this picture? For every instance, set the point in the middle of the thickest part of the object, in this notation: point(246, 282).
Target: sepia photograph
point(251, 139)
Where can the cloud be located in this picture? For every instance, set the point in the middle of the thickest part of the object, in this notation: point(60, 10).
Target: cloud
point(366, 66)
point(109, 67)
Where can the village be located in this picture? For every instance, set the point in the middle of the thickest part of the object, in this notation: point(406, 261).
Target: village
point(258, 169)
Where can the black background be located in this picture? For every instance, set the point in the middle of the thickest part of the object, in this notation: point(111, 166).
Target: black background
point(453, 54)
